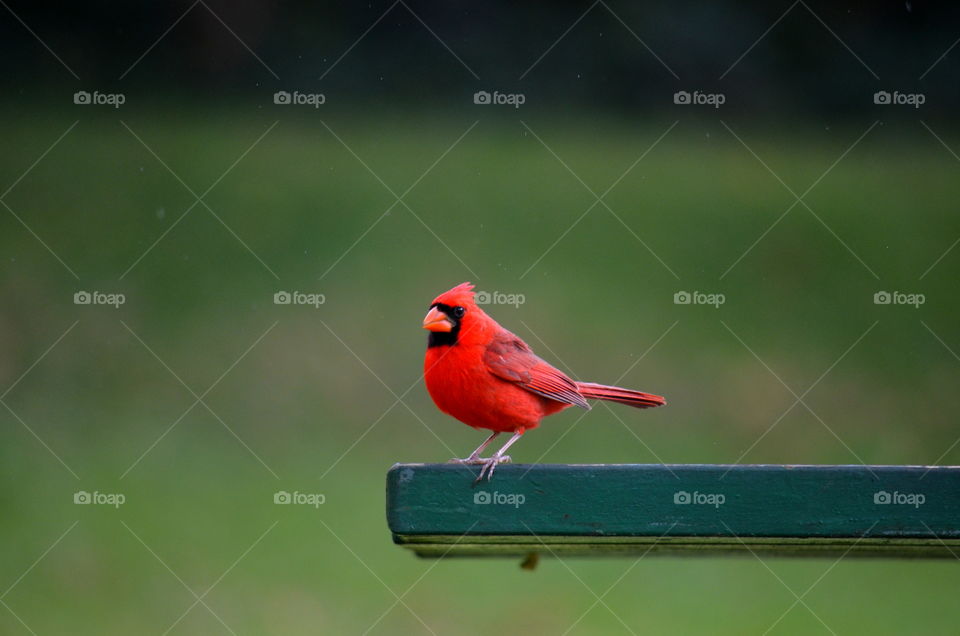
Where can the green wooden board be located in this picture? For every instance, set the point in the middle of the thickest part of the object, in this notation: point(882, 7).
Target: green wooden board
point(436, 510)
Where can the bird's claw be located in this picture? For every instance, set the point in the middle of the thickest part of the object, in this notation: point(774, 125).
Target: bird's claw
point(489, 465)
point(466, 460)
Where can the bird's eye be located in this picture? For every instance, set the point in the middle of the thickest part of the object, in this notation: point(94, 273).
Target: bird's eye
point(458, 311)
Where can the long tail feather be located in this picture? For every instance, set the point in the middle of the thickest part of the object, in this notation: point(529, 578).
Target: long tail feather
point(629, 397)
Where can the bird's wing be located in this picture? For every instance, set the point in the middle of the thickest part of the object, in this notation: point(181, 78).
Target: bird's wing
point(509, 358)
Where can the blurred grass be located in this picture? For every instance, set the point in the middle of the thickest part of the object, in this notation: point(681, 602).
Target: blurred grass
point(300, 399)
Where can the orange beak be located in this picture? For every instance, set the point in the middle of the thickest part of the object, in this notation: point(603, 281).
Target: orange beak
point(436, 320)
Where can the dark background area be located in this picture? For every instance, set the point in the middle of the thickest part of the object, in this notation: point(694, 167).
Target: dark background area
point(799, 66)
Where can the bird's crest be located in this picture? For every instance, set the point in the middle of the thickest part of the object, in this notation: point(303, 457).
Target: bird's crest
point(460, 295)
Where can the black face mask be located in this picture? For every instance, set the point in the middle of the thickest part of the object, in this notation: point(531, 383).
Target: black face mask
point(446, 338)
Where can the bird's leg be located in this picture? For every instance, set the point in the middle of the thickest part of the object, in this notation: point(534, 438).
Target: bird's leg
point(497, 458)
point(475, 455)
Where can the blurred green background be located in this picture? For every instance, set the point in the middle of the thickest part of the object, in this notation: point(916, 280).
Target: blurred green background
point(199, 398)
point(313, 417)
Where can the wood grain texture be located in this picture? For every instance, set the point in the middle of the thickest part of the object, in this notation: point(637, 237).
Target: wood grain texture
point(436, 510)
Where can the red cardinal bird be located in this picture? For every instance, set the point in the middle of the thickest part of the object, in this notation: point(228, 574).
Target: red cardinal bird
point(487, 377)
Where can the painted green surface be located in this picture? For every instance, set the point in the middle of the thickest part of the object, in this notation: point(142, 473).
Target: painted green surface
point(895, 510)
